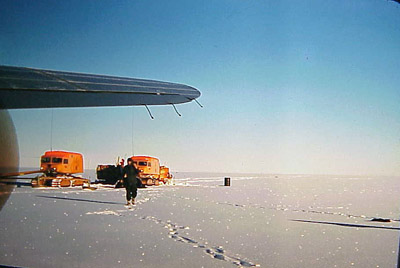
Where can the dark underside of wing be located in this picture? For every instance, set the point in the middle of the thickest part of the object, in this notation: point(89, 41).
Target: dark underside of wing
point(22, 87)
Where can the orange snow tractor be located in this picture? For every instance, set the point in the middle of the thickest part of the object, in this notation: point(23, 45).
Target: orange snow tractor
point(165, 176)
point(151, 173)
point(61, 162)
point(58, 168)
point(149, 169)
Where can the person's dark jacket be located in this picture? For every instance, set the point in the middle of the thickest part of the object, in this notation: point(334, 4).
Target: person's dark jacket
point(129, 174)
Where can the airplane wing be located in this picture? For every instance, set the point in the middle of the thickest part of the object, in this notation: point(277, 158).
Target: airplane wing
point(22, 87)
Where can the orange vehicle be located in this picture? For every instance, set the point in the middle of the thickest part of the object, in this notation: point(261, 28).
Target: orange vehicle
point(61, 162)
point(149, 167)
point(151, 173)
point(58, 167)
point(165, 176)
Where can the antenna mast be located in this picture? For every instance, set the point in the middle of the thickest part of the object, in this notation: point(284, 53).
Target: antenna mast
point(51, 129)
point(132, 131)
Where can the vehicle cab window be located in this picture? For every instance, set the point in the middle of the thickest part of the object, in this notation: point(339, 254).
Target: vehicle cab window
point(57, 160)
point(45, 159)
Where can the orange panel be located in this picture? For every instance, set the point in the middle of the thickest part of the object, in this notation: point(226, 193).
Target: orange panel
point(150, 166)
point(62, 162)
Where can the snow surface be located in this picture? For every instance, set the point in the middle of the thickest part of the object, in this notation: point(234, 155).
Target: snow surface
point(258, 221)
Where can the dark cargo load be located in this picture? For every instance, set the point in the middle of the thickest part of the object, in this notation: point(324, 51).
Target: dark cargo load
point(109, 174)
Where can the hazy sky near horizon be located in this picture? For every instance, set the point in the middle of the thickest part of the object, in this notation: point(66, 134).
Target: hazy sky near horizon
point(309, 87)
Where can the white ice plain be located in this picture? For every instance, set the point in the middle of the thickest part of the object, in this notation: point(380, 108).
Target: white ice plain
point(264, 221)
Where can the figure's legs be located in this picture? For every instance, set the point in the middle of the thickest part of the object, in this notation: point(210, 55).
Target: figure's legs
point(128, 194)
point(134, 194)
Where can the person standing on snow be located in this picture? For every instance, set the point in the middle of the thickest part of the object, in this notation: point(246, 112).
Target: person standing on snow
point(130, 173)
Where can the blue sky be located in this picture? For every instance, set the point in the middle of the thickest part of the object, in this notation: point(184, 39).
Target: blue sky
point(288, 86)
